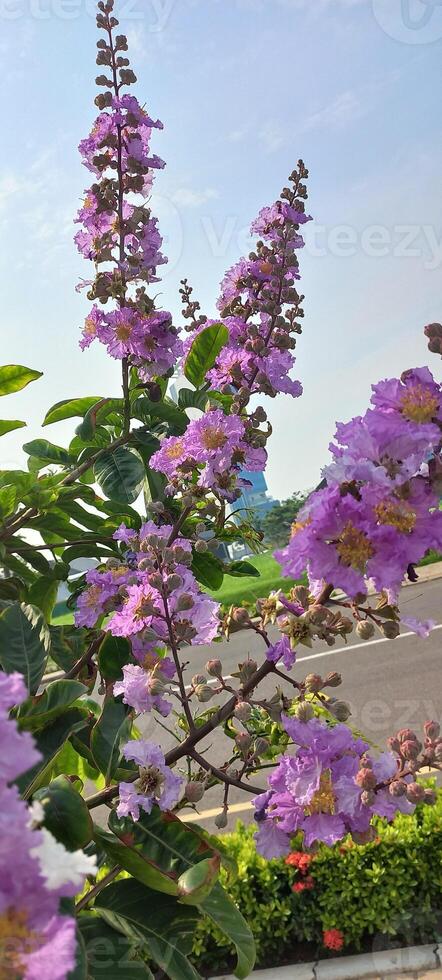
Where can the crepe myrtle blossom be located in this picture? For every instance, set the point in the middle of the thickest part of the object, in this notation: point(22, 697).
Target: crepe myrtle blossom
point(319, 789)
point(35, 871)
point(157, 784)
point(217, 447)
point(150, 340)
point(142, 689)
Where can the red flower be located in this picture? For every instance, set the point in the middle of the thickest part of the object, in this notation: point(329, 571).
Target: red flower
point(301, 886)
point(299, 860)
point(333, 939)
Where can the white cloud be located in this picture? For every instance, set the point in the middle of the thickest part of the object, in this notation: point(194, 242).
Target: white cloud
point(185, 197)
point(272, 136)
point(344, 109)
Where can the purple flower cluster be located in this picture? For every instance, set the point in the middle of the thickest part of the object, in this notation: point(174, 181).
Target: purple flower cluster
point(119, 233)
point(328, 788)
point(151, 598)
point(157, 784)
point(35, 940)
point(210, 455)
point(259, 304)
point(379, 513)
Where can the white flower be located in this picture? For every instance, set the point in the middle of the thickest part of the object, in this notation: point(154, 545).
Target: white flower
point(59, 866)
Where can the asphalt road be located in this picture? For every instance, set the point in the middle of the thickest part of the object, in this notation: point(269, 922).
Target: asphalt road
point(389, 684)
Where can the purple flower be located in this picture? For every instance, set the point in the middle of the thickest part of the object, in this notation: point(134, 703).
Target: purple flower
point(157, 784)
point(422, 629)
point(137, 684)
point(282, 651)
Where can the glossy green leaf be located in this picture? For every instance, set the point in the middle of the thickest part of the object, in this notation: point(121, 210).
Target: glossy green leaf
point(195, 885)
point(110, 733)
point(14, 377)
point(188, 398)
point(120, 475)
point(114, 653)
point(159, 920)
point(65, 813)
point(50, 742)
point(240, 568)
point(132, 855)
point(42, 709)
point(80, 971)
point(204, 352)
point(8, 497)
point(67, 645)
point(43, 594)
point(208, 570)
point(224, 913)
point(167, 411)
point(24, 643)
point(47, 452)
point(70, 408)
point(8, 425)
point(108, 954)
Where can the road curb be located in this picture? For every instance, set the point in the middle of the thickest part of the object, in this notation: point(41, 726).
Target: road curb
point(411, 961)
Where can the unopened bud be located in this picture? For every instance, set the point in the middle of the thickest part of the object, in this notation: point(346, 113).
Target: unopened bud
point(364, 836)
point(304, 711)
point(194, 792)
point(198, 679)
point(174, 582)
point(185, 602)
point(366, 779)
point(221, 820)
point(406, 735)
point(201, 547)
point(240, 616)
point(430, 796)
point(394, 744)
point(204, 693)
point(432, 730)
point(340, 709)
point(365, 630)
point(438, 752)
point(243, 742)
point(214, 668)
point(314, 683)
point(243, 711)
point(415, 793)
point(367, 797)
point(261, 746)
point(390, 629)
point(333, 680)
point(397, 788)
point(410, 750)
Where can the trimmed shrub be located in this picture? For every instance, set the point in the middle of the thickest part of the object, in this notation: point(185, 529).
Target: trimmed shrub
point(389, 888)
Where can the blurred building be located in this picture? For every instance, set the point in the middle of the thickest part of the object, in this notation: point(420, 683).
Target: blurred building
point(253, 505)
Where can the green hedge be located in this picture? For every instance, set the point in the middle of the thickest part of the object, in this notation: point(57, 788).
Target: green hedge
point(392, 887)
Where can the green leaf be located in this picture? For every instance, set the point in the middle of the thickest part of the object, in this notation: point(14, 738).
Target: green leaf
point(208, 570)
point(24, 643)
point(42, 709)
point(188, 398)
point(9, 426)
point(70, 408)
point(108, 954)
point(167, 411)
point(114, 653)
point(80, 971)
point(196, 884)
point(44, 594)
point(224, 913)
point(131, 855)
point(159, 920)
point(47, 452)
point(204, 352)
point(169, 846)
point(240, 568)
point(14, 377)
point(66, 814)
point(110, 733)
point(120, 475)
point(8, 497)
point(50, 742)
point(67, 645)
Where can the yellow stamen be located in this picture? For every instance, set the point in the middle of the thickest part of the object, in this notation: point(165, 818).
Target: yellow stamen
point(213, 438)
point(175, 450)
point(397, 513)
point(323, 801)
point(90, 327)
point(419, 404)
point(354, 548)
point(16, 941)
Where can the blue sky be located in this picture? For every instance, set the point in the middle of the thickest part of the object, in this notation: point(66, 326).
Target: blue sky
point(244, 88)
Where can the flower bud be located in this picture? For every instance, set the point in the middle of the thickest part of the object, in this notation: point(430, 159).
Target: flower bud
point(340, 709)
point(261, 746)
point(243, 742)
point(365, 836)
point(432, 730)
point(367, 797)
point(438, 753)
point(390, 629)
point(407, 735)
point(174, 582)
point(410, 750)
point(221, 820)
point(365, 630)
point(314, 683)
point(214, 668)
point(198, 679)
point(194, 792)
point(430, 797)
point(204, 693)
point(201, 546)
point(304, 711)
point(240, 616)
point(394, 744)
point(243, 711)
point(415, 793)
point(247, 670)
point(185, 602)
point(333, 680)
point(397, 788)
point(366, 779)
